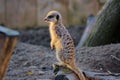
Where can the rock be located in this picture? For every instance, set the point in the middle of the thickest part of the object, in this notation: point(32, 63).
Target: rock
point(41, 72)
point(33, 67)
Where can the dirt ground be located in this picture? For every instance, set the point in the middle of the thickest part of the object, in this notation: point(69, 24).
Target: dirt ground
point(33, 59)
point(31, 62)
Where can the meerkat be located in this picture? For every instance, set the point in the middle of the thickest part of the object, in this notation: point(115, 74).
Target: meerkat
point(62, 41)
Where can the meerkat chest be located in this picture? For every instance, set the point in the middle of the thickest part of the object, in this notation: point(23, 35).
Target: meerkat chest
point(53, 32)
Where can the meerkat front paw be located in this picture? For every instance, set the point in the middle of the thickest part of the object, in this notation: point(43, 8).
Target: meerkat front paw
point(52, 46)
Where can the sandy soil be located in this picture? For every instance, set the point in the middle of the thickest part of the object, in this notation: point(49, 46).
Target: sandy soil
point(31, 62)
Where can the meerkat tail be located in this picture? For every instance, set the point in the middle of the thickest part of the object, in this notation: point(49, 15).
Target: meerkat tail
point(77, 72)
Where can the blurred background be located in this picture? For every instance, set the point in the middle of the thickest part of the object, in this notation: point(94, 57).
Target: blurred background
point(27, 17)
point(30, 13)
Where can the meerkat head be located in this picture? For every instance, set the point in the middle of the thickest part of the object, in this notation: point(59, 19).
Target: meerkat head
point(53, 17)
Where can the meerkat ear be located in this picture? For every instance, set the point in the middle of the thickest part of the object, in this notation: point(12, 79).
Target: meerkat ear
point(57, 17)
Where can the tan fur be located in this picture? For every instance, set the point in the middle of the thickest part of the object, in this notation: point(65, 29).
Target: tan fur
point(62, 42)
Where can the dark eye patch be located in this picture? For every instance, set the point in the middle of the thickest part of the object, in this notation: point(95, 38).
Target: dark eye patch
point(51, 16)
point(57, 17)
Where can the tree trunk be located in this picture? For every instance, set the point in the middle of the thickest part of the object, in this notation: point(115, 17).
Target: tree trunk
point(106, 28)
point(90, 21)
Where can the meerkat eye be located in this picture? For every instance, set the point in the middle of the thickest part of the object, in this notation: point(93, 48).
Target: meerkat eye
point(57, 17)
point(51, 16)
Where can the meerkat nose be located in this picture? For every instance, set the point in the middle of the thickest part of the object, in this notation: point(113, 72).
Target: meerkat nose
point(45, 19)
